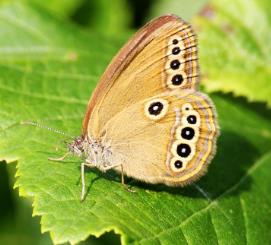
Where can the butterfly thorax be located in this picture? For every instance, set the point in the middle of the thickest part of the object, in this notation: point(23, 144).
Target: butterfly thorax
point(92, 152)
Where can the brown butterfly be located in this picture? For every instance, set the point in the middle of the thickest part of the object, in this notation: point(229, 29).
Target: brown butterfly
point(146, 119)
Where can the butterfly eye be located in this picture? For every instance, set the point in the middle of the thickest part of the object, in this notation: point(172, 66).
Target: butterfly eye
point(156, 109)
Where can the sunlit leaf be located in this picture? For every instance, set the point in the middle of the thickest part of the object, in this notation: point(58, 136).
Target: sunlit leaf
point(48, 70)
point(235, 48)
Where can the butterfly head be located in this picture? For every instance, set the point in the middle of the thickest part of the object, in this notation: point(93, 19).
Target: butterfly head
point(93, 151)
point(77, 146)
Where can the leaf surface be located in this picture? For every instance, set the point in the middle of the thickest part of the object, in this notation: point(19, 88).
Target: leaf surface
point(48, 70)
point(235, 48)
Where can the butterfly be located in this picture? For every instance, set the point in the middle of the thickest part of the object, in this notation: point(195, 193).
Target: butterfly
point(146, 118)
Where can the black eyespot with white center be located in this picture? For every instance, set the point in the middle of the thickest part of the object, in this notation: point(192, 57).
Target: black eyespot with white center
point(177, 79)
point(192, 119)
point(187, 133)
point(176, 50)
point(175, 64)
point(178, 164)
point(155, 108)
point(175, 41)
point(183, 150)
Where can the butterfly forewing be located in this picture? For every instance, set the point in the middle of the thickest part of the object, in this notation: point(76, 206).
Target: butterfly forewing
point(161, 57)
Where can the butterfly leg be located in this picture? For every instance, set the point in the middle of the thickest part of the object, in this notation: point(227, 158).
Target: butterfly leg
point(122, 176)
point(59, 159)
point(123, 182)
point(83, 165)
point(122, 173)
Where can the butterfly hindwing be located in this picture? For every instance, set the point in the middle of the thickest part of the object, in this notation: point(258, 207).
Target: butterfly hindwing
point(169, 138)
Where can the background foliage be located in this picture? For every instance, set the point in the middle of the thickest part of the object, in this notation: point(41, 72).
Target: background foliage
point(51, 56)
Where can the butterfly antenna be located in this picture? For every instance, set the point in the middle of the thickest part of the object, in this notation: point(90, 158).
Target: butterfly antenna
point(45, 127)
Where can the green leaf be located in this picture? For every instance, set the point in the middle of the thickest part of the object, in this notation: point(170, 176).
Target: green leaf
point(235, 48)
point(16, 224)
point(48, 70)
